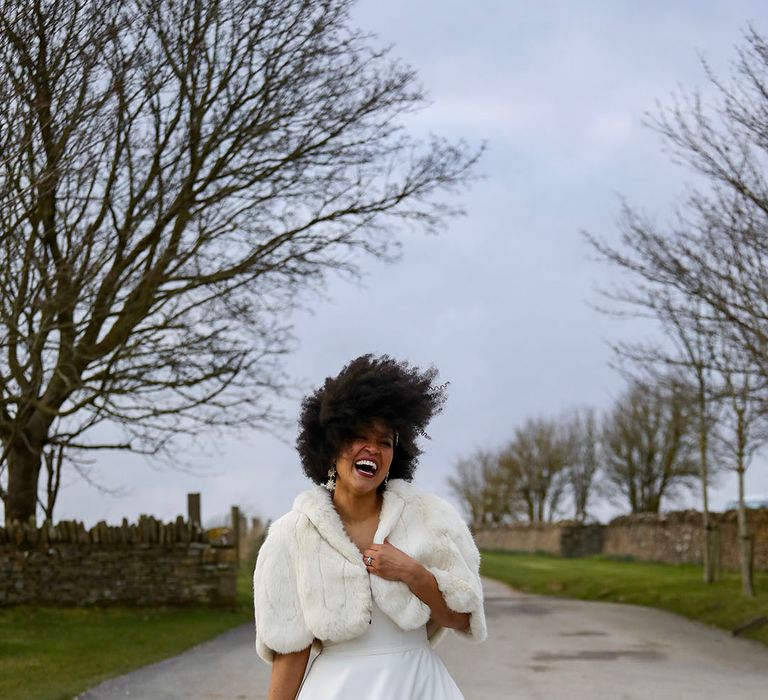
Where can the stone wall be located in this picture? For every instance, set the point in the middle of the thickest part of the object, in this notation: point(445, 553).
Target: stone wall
point(577, 540)
point(147, 563)
point(673, 538)
point(677, 537)
point(543, 537)
point(566, 539)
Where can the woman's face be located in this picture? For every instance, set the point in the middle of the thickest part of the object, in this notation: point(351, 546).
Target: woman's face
point(363, 463)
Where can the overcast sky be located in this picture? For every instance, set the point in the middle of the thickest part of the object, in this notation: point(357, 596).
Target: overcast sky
point(500, 301)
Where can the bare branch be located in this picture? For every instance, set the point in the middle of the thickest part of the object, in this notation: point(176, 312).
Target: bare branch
point(174, 176)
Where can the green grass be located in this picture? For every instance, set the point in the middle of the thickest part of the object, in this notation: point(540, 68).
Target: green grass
point(55, 653)
point(677, 588)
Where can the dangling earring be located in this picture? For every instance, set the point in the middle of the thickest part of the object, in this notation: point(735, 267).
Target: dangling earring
point(331, 483)
point(386, 478)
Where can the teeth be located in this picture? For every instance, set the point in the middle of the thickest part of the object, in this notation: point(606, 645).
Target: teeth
point(367, 463)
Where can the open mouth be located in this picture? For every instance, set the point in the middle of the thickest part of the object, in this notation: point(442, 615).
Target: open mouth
point(366, 467)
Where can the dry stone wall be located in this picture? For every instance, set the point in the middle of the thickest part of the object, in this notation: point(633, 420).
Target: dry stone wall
point(147, 563)
point(543, 537)
point(677, 537)
point(566, 539)
point(673, 538)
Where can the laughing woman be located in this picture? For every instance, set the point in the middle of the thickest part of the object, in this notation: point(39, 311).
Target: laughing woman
point(366, 569)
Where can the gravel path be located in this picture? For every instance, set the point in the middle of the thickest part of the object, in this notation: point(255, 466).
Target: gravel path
point(539, 648)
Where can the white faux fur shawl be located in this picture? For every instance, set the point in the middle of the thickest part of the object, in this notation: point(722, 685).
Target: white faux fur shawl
point(310, 582)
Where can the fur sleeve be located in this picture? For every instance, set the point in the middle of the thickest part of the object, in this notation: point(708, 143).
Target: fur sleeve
point(280, 625)
point(456, 565)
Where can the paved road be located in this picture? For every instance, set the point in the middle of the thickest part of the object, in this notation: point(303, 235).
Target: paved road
point(539, 649)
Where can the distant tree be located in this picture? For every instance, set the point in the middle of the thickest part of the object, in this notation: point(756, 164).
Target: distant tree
point(469, 486)
point(173, 175)
point(510, 480)
point(648, 448)
point(742, 431)
point(485, 487)
point(692, 336)
point(583, 462)
point(541, 452)
point(687, 350)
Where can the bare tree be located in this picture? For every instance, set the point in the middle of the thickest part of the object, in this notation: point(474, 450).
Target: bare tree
point(714, 254)
point(742, 431)
point(693, 336)
point(583, 463)
point(647, 446)
point(687, 350)
point(485, 486)
point(469, 486)
point(529, 478)
point(509, 482)
point(540, 453)
point(173, 174)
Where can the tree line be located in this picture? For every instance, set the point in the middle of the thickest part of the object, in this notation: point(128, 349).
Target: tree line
point(639, 452)
point(698, 398)
point(642, 453)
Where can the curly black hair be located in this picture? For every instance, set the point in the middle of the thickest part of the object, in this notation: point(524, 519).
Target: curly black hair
point(367, 389)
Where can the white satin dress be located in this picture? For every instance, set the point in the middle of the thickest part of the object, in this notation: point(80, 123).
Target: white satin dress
point(384, 663)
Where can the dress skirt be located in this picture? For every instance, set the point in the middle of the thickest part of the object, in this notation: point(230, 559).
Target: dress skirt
point(384, 663)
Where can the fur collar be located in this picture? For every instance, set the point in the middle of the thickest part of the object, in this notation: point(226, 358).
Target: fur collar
point(317, 505)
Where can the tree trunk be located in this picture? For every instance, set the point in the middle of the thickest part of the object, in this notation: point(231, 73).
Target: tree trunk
point(707, 549)
point(653, 503)
point(745, 561)
point(23, 473)
point(715, 553)
point(745, 543)
point(529, 508)
point(53, 459)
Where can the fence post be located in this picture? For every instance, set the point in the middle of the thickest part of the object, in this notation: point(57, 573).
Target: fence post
point(193, 509)
point(236, 531)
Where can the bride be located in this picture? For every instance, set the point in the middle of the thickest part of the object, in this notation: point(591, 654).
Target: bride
point(366, 570)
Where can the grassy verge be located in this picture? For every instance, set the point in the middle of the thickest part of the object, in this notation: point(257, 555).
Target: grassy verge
point(677, 588)
point(56, 653)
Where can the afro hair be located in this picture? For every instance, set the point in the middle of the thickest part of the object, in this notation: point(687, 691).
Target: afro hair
point(367, 389)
